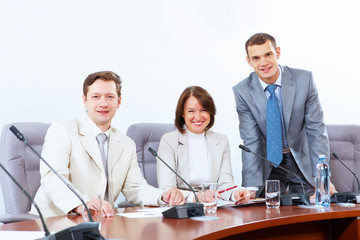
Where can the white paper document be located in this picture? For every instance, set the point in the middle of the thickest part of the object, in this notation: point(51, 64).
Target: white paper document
point(145, 213)
point(23, 235)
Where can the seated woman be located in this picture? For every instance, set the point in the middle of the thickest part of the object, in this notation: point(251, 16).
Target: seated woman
point(197, 154)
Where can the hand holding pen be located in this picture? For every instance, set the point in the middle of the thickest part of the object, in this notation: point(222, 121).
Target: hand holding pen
point(241, 195)
point(244, 197)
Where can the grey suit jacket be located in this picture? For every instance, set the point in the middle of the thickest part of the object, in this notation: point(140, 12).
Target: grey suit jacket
point(173, 149)
point(304, 125)
point(71, 149)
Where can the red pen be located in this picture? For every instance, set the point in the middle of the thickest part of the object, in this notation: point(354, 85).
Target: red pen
point(230, 188)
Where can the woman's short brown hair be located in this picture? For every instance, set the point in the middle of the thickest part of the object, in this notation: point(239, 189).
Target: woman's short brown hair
point(104, 75)
point(204, 99)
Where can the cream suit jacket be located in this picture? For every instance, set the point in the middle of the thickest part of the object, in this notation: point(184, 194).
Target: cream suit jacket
point(72, 150)
point(173, 149)
point(304, 124)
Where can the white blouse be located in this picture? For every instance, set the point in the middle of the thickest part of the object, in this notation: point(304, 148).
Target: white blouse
point(199, 159)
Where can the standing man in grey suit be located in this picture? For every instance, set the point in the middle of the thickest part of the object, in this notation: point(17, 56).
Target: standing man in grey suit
point(302, 134)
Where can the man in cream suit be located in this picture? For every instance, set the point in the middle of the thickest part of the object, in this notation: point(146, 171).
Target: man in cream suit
point(303, 133)
point(95, 168)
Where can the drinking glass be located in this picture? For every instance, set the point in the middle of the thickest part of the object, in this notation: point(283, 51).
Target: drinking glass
point(209, 198)
point(272, 193)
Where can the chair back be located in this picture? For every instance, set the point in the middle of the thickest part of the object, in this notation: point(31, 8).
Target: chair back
point(345, 142)
point(22, 163)
point(147, 135)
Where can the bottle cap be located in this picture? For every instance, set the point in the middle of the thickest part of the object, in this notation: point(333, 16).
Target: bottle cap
point(322, 156)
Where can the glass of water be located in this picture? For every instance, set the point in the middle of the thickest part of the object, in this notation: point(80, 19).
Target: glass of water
point(272, 193)
point(209, 198)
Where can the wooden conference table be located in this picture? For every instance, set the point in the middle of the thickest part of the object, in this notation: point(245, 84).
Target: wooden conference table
point(245, 222)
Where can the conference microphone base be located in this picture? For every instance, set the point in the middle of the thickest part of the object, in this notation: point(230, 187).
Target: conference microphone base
point(185, 211)
point(88, 230)
point(294, 199)
point(345, 197)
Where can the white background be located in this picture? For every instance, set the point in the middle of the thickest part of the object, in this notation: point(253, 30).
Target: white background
point(48, 47)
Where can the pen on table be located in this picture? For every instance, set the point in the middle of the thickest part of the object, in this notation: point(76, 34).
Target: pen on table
point(225, 190)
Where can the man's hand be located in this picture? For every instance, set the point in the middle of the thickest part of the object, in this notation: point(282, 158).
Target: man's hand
point(173, 197)
point(332, 191)
point(95, 205)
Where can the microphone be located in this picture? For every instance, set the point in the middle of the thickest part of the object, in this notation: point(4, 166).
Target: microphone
point(346, 197)
point(81, 231)
point(188, 209)
point(47, 233)
point(291, 199)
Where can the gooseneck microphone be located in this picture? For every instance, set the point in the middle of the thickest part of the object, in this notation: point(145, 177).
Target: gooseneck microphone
point(46, 230)
point(286, 199)
point(186, 210)
point(154, 153)
point(346, 197)
point(81, 231)
point(356, 177)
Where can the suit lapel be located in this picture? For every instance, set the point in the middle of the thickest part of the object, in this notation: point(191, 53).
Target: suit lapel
point(114, 152)
point(258, 95)
point(288, 95)
point(88, 140)
point(115, 149)
point(183, 160)
point(215, 153)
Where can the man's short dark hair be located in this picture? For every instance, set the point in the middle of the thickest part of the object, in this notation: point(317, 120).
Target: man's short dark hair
point(259, 39)
point(105, 76)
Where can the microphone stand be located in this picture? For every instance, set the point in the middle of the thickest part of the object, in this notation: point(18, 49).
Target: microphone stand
point(291, 199)
point(46, 230)
point(188, 209)
point(346, 197)
point(82, 230)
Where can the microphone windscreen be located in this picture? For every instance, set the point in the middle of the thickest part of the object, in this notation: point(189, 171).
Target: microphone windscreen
point(152, 151)
point(244, 148)
point(17, 133)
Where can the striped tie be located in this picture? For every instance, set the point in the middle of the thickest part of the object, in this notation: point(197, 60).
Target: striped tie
point(273, 127)
point(101, 138)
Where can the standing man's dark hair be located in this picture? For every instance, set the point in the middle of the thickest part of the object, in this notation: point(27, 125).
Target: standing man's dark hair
point(259, 39)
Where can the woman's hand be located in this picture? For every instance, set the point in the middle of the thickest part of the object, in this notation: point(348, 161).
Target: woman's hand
point(242, 195)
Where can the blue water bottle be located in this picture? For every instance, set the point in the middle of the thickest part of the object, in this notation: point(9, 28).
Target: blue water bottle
point(322, 179)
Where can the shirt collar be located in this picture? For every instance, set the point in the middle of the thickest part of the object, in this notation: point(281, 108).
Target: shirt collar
point(277, 82)
point(96, 129)
point(192, 135)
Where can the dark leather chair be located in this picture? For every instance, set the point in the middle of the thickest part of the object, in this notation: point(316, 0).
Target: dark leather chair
point(23, 164)
point(345, 142)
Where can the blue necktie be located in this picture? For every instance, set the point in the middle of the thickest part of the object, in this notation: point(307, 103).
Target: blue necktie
point(273, 127)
